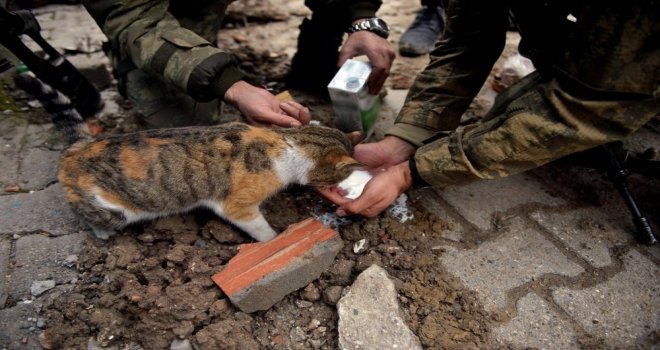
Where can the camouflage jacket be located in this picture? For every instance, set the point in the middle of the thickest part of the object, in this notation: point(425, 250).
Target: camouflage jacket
point(171, 40)
point(611, 50)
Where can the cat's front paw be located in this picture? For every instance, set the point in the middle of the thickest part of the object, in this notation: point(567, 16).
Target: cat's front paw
point(264, 236)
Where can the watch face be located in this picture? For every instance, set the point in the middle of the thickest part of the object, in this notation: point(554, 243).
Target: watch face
point(382, 24)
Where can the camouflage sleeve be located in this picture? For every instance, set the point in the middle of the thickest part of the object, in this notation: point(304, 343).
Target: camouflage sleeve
point(474, 37)
point(605, 90)
point(145, 32)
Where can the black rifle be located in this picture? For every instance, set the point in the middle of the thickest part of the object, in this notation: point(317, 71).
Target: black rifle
point(53, 68)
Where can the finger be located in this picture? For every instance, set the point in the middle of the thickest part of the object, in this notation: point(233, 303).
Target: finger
point(377, 79)
point(294, 104)
point(304, 116)
point(297, 111)
point(332, 195)
point(345, 54)
point(278, 119)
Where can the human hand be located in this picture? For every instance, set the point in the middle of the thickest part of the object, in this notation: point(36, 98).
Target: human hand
point(260, 107)
point(378, 50)
point(379, 193)
point(389, 151)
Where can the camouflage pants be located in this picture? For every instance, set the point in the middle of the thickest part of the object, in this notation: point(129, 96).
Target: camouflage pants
point(162, 105)
point(532, 124)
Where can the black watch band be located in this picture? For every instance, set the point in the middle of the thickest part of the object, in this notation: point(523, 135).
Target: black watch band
point(372, 24)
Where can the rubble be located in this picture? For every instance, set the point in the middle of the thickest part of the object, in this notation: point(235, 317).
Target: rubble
point(369, 316)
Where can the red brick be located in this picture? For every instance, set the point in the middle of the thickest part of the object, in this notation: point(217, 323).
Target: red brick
point(263, 273)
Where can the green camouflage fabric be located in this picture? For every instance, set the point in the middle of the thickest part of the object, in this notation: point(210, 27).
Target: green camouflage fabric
point(171, 42)
point(596, 84)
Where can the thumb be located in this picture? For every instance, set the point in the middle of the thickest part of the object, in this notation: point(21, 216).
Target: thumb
point(344, 55)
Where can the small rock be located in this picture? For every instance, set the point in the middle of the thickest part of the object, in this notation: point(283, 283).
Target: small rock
point(45, 340)
point(298, 335)
point(181, 344)
point(41, 322)
point(304, 303)
point(313, 324)
point(92, 344)
point(341, 271)
point(219, 307)
point(332, 294)
point(360, 246)
point(39, 287)
point(146, 238)
point(71, 260)
point(13, 189)
point(183, 329)
point(311, 293)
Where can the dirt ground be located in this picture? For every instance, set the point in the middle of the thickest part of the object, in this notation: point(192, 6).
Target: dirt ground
point(151, 285)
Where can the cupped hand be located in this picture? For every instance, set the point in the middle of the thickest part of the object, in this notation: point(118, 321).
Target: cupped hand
point(378, 50)
point(260, 107)
point(379, 193)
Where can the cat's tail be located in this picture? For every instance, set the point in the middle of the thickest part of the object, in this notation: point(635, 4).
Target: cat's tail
point(62, 112)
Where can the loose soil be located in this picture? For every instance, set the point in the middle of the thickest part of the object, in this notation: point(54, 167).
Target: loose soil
point(151, 284)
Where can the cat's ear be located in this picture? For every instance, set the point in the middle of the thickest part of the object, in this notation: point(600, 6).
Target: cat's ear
point(355, 137)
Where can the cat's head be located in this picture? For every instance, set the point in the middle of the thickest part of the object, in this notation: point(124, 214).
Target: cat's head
point(330, 149)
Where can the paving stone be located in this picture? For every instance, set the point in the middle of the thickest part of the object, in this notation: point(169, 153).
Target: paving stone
point(40, 258)
point(587, 231)
point(370, 317)
point(12, 130)
point(263, 273)
point(81, 32)
point(478, 201)
point(45, 210)
point(624, 309)
point(5, 250)
point(45, 136)
point(38, 168)
point(15, 328)
point(536, 326)
point(512, 259)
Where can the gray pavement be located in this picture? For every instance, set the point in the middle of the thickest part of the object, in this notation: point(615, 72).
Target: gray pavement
point(551, 272)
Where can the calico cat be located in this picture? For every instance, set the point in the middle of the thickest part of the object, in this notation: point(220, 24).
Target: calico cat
point(113, 181)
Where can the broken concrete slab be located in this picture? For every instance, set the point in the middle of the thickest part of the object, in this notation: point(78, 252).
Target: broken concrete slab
point(40, 258)
point(623, 309)
point(479, 201)
point(518, 256)
point(261, 274)
point(45, 210)
point(5, 251)
point(369, 315)
point(536, 326)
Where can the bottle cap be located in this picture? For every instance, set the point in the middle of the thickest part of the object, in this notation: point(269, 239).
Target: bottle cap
point(352, 83)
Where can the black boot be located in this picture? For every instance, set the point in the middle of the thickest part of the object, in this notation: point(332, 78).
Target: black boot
point(422, 34)
point(315, 61)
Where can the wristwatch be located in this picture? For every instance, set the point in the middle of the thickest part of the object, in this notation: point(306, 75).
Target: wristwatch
point(372, 24)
